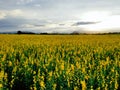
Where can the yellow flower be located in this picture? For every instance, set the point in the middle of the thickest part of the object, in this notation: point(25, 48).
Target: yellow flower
point(76, 88)
point(72, 67)
point(34, 72)
point(42, 77)
point(34, 88)
point(9, 63)
point(112, 70)
point(98, 88)
point(50, 73)
point(42, 84)
point(77, 65)
point(83, 69)
point(62, 66)
point(86, 77)
point(116, 85)
point(83, 85)
point(54, 86)
point(68, 83)
point(1, 85)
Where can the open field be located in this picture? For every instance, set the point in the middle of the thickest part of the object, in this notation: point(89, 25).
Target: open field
point(59, 62)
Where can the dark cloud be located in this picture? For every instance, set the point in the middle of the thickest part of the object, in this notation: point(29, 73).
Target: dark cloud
point(61, 24)
point(7, 23)
point(39, 25)
point(83, 23)
point(15, 24)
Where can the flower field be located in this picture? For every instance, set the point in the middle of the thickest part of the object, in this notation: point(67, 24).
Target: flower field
point(59, 62)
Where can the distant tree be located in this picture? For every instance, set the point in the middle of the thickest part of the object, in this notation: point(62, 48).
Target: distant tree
point(24, 32)
point(44, 33)
point(19, 32)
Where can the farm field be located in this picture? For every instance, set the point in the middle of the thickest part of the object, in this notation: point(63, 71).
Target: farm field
point(59, 62)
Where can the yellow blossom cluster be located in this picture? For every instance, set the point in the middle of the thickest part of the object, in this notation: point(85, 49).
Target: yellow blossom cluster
point(59, 62)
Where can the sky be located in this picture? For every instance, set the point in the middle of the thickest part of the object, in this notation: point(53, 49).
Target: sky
point(64, 16)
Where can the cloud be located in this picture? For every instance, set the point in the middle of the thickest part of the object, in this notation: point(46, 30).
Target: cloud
point(37, 5)
point(19, 13)
point(31, 26)
point(110, 23)
point(2, 15)
point(53, 25)
point(83, 23)
point(39, 25)
point(24, 1)
point(61, 24)
point(59, 15)
point(16, 13)
point(11, 13)
point(11, 22)
point(27, 26)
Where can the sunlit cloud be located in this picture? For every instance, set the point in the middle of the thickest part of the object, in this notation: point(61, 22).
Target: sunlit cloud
point(2, 15)
point(95, 16)
point(16, 13)
point(110, 23)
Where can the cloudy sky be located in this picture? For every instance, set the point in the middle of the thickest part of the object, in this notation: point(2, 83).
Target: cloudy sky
point(60, 15)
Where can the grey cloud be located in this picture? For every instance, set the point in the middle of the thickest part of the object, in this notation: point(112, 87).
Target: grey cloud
point(15, 23)
point(10, 24)
point(61, 24)
point(40, 25)
point(28, 25)
point(83, 23)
